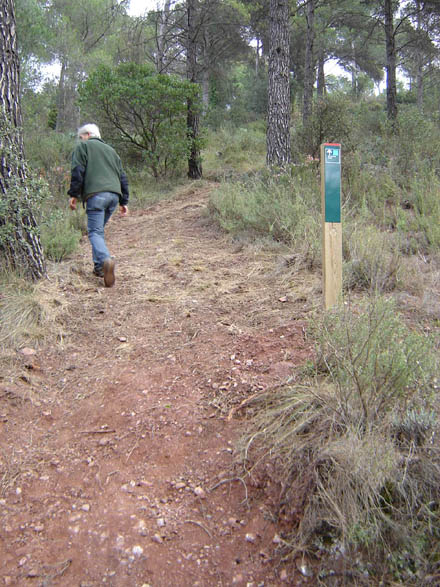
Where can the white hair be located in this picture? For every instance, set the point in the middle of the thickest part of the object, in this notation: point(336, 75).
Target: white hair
point(90, 129)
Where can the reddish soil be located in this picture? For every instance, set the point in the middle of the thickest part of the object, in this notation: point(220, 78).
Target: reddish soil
point(118, 458)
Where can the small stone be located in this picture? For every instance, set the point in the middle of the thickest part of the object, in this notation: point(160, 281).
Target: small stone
point(251, 538)
point(18, 491)
point(39, 528)
point(276, 539)
point(141, 527)
point(138, 550)
point(85, 507)
point(28, 352)
point(200, 492)
point(237, 579)
point(160, 522)
point(180, 485)
point(157, 538)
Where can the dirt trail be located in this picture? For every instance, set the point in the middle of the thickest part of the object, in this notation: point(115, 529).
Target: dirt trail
point(116, 451)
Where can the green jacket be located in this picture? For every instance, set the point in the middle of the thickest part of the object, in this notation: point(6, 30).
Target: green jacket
point(96, 167)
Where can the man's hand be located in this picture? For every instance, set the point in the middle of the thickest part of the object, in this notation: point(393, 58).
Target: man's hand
point(123, 210)
point(72, 203)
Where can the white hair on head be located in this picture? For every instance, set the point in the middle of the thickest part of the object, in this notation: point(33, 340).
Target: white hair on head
point(90, 129)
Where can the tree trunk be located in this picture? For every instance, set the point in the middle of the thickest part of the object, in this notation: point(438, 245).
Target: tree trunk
point(20, 244)
point(309, 76)
point(192, 120)
point(391, 61)
point(320, 90)
point(68, 115)
point(257, 56)
point(162, 26)
point(278, 114)
point(419, 61)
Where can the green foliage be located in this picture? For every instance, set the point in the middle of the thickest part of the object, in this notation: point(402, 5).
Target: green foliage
point(59, 236)
point(231, 149)
point(282, 206)
point(49, 154)
point(23, 192)
point(372, 258)
point(354, 445)
point(333, 120)
point(238, 96)
point(144, 112)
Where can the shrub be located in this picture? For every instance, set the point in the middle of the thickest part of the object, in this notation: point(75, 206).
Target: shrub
point(333, 120)
point(373, 259)
point(59, 237)
point(355, 449)
point(144, 112)
point(282, 206)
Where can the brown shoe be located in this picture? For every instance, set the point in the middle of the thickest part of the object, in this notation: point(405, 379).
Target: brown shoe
point(109, 272)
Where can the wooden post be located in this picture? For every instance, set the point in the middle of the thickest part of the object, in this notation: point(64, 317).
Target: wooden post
point(331, 224)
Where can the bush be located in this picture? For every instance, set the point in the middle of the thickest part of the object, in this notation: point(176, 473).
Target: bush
point(373, 260)
point(355, 449)
point(144, 112)
point(333, 120)
point(59, 237)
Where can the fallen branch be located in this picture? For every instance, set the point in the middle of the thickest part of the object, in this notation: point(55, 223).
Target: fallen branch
point(98, 431)
point(223, 481)
point(243, 404)
point(200, 525)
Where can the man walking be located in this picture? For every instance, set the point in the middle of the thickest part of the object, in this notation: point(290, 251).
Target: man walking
point(97, 178)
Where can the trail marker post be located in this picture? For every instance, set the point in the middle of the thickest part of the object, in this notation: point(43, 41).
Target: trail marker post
point(331, 223)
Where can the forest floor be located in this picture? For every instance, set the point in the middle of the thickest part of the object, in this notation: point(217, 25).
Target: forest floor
point(118, 458)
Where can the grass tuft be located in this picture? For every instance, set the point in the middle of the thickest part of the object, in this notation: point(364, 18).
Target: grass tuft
point(354, 448)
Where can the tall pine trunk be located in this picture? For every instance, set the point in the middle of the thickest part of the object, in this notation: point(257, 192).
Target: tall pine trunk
point(309, 70)
point(391, 61)
point(320, 87)
point(193, 116)
point(278, 114)
point(19, 244)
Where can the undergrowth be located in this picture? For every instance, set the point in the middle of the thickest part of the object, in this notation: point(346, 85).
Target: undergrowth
point(354, 447)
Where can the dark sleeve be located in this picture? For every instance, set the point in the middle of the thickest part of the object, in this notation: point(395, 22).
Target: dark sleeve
point(76, 182)
point(78, 170)
point(123, 200)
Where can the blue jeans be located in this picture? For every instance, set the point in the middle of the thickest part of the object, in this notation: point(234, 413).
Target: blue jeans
point(99, 208)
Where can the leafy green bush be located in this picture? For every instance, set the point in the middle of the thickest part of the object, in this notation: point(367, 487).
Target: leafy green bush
point(355, 447)
point(144, 112)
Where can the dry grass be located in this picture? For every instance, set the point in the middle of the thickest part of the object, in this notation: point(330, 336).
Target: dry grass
point(355, 448)
point(30, 313)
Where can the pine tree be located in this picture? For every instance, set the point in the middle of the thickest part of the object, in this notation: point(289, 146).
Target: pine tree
point(278, 115)
point(20, 246)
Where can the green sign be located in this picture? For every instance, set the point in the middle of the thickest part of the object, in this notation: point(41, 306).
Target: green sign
point(332, 182)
